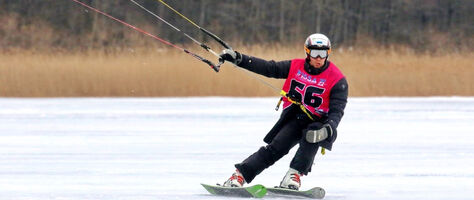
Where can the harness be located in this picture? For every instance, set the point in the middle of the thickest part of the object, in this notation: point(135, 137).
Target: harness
point(299, 104)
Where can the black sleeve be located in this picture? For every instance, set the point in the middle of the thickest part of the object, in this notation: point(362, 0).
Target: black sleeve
point(266, 68)
point(338, 101)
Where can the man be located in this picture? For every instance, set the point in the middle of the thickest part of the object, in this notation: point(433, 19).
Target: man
point(316, 95)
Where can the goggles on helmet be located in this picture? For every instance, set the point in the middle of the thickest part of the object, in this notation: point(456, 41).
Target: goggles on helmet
point(318, 53)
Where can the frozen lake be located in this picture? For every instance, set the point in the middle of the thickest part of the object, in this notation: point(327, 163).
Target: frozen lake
point(162, 148)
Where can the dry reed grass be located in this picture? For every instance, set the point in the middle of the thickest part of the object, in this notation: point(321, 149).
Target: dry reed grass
point(172, 73)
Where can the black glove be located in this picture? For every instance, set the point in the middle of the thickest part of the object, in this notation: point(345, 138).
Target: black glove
point(231, 56)
point(318, 132)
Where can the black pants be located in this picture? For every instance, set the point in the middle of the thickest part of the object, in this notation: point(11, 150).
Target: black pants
point(288, 136)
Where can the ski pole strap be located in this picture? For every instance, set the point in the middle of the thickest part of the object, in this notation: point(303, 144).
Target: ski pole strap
point(278, 104)
point(212, 65)
point(213, 36)
point(284, 94)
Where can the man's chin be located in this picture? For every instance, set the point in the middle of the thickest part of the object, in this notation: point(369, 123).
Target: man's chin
point(318, 66)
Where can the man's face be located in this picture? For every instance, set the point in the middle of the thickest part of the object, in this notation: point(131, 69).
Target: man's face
point(317, 62)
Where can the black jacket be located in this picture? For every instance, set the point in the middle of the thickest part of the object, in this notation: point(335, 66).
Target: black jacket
point(281, 69)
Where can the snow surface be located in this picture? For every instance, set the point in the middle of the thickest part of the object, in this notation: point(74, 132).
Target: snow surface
point(162, 148)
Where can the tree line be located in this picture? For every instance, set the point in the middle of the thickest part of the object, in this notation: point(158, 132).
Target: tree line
point(63, 24)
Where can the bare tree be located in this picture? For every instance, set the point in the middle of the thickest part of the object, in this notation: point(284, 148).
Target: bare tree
point(419, 23)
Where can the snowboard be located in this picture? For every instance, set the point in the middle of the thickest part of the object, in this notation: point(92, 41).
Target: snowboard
point(256, 191)
point(314, 193)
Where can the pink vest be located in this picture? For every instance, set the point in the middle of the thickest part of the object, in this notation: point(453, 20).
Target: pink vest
point(314, 89)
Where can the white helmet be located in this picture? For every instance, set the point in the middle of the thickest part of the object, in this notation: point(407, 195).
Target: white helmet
point(317, 41)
